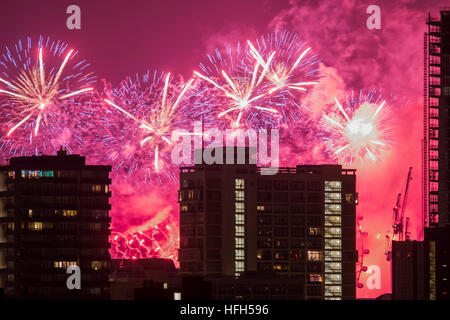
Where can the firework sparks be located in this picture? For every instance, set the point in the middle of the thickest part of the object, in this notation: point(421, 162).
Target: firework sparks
point(143, 118)
point(155, 241)
point(34, 92)
point(36, 86)
point(158, 127)
point(358, 132)
point(241, 93)
point(280, 75)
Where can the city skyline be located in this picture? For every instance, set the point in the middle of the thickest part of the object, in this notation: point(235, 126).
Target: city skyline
point(379, 72)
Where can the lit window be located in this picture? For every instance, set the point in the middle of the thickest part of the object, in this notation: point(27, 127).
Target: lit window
point(260, 208)
point(332, 185)
point(35, 226)
point(314, 231)
point(239, 254)
point(106, 188)
point(240, 195)
point(239, 266)
point(332, 232)
point(30, 213)
point(184, 208)
point(240, 184)
point(314, 255)
point(240, 231)
point(333, 209)
point(69, 213)
point(177, 296)
point(240, 243)
point(98, 265)
point(12, 174)
point(240, 207)
point(64, 264)
point(333, 197)
point(240, 218)
point(333, 267)
point(332, 221)
point(96, 188)
point(314, 277)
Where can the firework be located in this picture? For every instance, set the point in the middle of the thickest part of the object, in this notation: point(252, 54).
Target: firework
point(289, 63)
point(358, 128)
point(144, 114)
point(238, 84)
point(39, 84)
point(160, 241)
point(258, 85)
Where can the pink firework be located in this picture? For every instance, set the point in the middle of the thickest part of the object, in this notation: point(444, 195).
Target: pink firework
point(42, 90)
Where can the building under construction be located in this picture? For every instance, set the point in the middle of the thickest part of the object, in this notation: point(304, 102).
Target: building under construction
point(434, 251)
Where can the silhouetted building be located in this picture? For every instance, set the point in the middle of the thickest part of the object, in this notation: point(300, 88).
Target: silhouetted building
point(298, 222)
point(436, 164)
point(54, 213)
point(129, 276)
point(408, 270)
point(437, 244)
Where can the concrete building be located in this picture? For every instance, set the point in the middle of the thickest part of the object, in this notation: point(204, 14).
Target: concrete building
point(54, 213)
point(298, 223)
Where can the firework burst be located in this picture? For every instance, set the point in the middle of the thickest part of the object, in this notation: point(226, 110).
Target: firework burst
point(40, 83)
point(289, 64)
point(144, 114)
point(358, 129)
point(239, 87)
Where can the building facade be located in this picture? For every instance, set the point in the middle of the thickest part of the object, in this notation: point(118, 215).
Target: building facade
point(298, 222)
point(54, 213)
point(408, 270)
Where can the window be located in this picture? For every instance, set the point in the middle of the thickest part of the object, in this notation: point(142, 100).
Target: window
point(239, 184)
point(240, 195)
point(98, 265)
point(315, 277)
point(314, 231)
point(240, 218)
point(240, 207)
point(314, 255)
point(239, 266)
point(239, 254)
point(259, 208)
point(69, 213)
point(96, 188)
point(30, 213)
point(64, 264)
point(332, 185)
point(240, 243)
point(240, 231)
point(35, 226)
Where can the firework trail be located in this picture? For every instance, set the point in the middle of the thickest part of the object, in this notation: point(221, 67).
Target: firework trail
point(42, 86)
point(358, 128)
point(143, 115)
point(291, 68)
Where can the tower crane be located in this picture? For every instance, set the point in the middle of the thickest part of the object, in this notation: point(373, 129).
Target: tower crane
point(398, 219)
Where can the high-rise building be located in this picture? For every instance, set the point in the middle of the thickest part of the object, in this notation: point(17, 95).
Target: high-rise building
point(298, 222)
point(436, 167)
point(436, 147)
point(54, 213)
point(408, 270)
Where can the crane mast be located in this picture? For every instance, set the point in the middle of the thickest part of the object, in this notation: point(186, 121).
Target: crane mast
point(399, 218)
